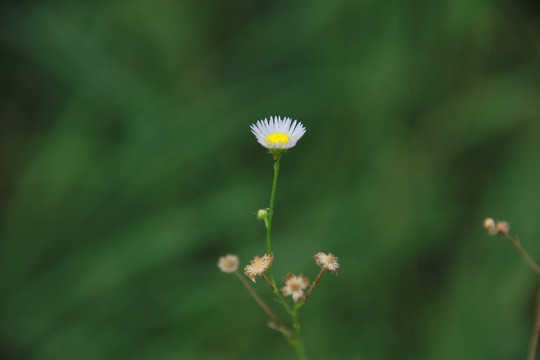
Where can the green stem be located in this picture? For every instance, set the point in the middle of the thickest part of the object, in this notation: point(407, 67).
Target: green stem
point(297, 341)
point(293, 339)
point(270, 215)
point(277, 160)
point(282, 301)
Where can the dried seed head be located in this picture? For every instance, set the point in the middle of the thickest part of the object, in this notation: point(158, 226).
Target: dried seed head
point(328, 262)
point(258, 266)
point(228, 264)
point(502, 227)
point(294, 286)
point(489, 225)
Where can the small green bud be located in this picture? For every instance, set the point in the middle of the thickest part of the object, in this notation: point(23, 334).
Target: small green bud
point(262, 214)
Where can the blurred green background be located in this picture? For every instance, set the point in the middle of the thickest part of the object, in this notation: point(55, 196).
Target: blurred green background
point(127, 168)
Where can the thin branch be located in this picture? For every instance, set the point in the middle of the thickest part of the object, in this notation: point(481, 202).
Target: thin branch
point(259, 301)
point(523, 253)
point(314, 283)
point(536, 329)
point(268, 282)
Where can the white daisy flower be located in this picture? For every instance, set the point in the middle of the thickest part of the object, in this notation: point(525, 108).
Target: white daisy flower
point(278, 135)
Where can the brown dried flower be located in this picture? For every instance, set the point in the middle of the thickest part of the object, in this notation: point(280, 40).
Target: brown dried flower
point(502, 227)
point(228, 264)
point(328, 262)
point(496, 228)
point(489, 225)
point(258, 266)
point(294, 286)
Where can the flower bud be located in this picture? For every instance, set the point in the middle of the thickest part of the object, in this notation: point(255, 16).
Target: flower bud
point(262, 214)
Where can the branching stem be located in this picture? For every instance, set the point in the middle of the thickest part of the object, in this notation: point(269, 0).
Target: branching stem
point(296, 342)
point(259, 301)
point(292, 337)
point(523, 253)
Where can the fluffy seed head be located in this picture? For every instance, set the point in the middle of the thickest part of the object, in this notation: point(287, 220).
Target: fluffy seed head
point(228, 264)
point(295, 285)
point(328, 262)
point(258, 266)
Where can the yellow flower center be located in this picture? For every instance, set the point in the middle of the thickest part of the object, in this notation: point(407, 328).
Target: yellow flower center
point(276, 138)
